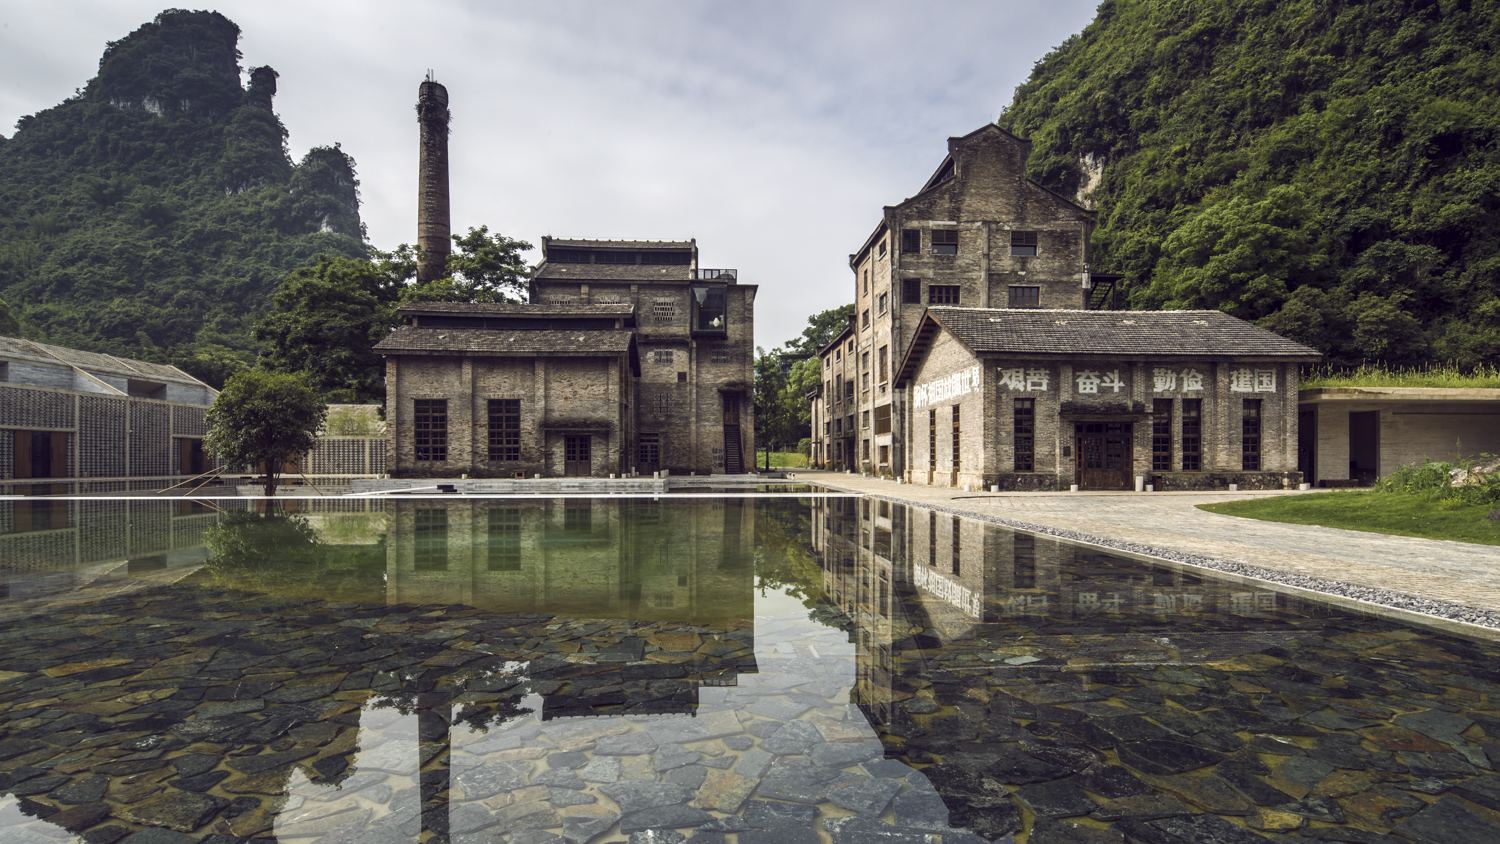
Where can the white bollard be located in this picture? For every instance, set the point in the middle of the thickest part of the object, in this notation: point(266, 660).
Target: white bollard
point(1150, 487)
point(1073, 488)
point(1234, 487)
point(1140, 483)
point(1304, 487)
point(994, 488)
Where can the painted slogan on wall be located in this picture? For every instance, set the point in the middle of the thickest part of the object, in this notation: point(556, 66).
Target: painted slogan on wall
point(960, 383)
point(1088, 381)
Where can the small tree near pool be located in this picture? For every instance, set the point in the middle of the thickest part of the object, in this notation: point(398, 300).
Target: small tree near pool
point(264, 417)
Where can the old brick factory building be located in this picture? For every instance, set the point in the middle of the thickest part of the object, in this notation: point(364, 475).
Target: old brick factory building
point(981, 357)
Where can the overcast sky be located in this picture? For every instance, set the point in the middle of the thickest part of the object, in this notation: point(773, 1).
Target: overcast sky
point(773, 132)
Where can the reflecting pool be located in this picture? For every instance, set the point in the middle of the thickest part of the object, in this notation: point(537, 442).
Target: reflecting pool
point(737, 668)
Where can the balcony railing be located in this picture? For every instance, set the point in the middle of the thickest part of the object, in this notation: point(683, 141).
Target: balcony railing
point(710, 275)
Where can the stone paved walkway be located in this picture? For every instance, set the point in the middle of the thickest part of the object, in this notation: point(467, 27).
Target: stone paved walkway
point(1455, 572)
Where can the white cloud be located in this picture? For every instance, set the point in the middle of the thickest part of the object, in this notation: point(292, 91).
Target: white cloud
point(771, 131)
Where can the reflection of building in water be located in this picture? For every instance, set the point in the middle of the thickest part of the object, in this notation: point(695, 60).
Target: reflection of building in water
point(586, 558)
point(916, 581)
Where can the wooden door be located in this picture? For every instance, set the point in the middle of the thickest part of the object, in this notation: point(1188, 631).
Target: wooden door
point(649, 454)
point(578, 456)
point(1103, 455)
point(731, 409)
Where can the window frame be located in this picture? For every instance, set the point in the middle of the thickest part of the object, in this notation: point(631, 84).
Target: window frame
point(1023, 244)
point(1161, 435)
point(1192, 435)
point(945, 242)
point(1024, 296)
point(1251, 431)
point(504, 430)
point(1023, 426)
point(911, 241)
point(938, 294)
point(911, 291)
point(430, 430)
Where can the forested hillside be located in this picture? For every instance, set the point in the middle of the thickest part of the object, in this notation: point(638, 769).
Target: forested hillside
point(153, 214)
point(1328, 169)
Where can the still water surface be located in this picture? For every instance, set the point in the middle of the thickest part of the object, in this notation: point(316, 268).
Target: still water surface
point(738, 669)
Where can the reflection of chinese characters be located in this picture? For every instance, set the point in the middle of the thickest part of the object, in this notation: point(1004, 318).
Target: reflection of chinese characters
point(1252, 381)
point(1024, 380)
point(1090, 602)
point(1163, 379)
point(1090, 381)
point(1166, 602)
point(959, 596)
point(1253, 601)
point(1022, 604)
point(960, 383)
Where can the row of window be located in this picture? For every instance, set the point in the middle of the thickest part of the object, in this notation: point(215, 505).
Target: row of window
point(945, 242)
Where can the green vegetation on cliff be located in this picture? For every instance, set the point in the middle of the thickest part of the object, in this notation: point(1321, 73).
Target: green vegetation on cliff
point(153, 214)
point(1327, 169)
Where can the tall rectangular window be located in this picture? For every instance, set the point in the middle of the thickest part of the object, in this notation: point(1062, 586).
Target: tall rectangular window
point(883, 419)
point(1250, 436)
point(942, 294)
point(864, 318)
point(1023, 562)
point(945, 241)
point(505, 429)
point(1161, 435)
point(958, 546)
point(1192, 435)
point(505, 539)
point(932, 537)
point(430, 425)
point(884, 363)
point(932, 440)
point(1023, 244)
point(911, 291)
point(956, 440)
point(1025, 425)
point(1025, 297)
point(911, 241)
point(430, 540)
point(882, 303)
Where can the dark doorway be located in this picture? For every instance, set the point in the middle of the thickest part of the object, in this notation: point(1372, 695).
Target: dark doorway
point(1307, 444)
point(1103, 454)
point(649, 454)
point(734, 448)
point(1364, 446)
point(189, 456)
point(41, 454)
point(578, 456)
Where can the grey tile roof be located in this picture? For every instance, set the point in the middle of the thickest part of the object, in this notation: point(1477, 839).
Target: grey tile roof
point(482, 342)
point(95, 362)
point(610, 272)
point(507, 309)
point(1145, 333)
point(589, 243)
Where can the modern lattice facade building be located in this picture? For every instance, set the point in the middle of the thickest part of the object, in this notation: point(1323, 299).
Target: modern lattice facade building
point(85, 421)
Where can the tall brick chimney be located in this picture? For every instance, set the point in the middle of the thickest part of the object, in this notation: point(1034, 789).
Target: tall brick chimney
point(433, 227)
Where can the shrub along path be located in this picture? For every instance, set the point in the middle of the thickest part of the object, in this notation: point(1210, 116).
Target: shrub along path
point(1170, 524)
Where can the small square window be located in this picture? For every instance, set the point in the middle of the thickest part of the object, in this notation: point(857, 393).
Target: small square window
point(883, 303)
point(682, 377)
point(1023, 244)
point(911, 291)
point(1025, 297)
point(942, 294)
point(945, 241)
point(911, 241)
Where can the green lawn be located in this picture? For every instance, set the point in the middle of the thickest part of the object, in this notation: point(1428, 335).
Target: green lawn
point(785, 460)
point(1374, 512)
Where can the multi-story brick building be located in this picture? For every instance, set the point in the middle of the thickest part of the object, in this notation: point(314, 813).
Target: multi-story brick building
point(631, 359)
point(834, 406)
point(1045, 399)
point(977, 234)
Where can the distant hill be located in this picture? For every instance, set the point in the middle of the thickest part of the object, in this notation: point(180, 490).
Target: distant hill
point(1328, 169)
point(153, 214)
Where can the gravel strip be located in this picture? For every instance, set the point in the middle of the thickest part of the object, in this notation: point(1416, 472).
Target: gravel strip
point(1381, 597)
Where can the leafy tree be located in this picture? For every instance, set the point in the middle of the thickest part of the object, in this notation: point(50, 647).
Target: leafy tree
point(264, 418)
point(326, 321)
point(485, 268)
point(9, 327)
point(820, 331)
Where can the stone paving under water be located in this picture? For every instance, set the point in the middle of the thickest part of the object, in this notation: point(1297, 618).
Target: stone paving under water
point(1067, 696)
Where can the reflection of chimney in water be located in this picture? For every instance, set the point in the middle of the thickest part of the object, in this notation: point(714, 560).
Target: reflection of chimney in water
point(433, 227)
